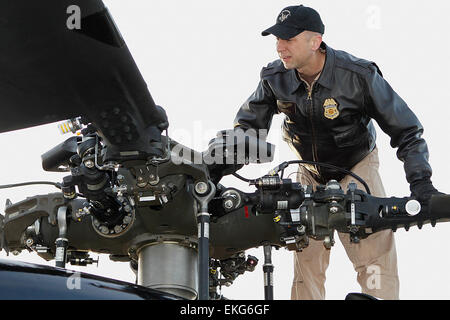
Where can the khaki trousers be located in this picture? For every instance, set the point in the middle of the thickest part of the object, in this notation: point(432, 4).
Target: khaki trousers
point(374, 258)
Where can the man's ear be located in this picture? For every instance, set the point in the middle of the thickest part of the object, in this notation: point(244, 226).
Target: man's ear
point(317, 41)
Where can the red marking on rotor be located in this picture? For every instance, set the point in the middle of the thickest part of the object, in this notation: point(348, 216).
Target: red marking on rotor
point(246, 211)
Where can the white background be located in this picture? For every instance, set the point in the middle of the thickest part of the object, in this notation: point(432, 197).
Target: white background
point(201, 60)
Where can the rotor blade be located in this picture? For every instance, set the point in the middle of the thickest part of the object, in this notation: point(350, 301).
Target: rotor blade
point(65, 58)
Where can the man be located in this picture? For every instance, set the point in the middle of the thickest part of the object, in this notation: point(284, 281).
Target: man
point(329, 98)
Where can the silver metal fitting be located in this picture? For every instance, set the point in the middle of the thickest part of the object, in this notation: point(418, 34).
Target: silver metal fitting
point(334, 210)
point(301, 229)
point(328, 242)
point(89, 163)
point(104, 229)
point(201, 187)
point(29, 242)
point(228, 204)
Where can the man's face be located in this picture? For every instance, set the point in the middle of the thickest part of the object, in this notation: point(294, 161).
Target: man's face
point(296, 52)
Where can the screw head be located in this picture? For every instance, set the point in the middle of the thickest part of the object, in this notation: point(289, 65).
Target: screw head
point(104, 229)
point(201, 187)
point(301, 229)
point(334, 209)
point(126, 219)
point(89, 164)
point(228, 204)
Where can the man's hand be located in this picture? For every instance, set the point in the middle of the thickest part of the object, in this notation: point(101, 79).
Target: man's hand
point(422, 190)
point(231, 149)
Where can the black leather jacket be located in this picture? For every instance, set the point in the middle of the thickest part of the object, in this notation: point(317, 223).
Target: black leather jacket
point(332, 123)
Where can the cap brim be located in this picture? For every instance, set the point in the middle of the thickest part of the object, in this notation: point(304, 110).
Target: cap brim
point(282, 32)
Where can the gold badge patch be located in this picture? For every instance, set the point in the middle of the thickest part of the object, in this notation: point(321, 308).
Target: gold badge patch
point(330, 109)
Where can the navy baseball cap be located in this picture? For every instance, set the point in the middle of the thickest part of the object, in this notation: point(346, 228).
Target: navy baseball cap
point(294, 20)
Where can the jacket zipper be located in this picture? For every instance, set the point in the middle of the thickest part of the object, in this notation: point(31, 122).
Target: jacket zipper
point(313, 133)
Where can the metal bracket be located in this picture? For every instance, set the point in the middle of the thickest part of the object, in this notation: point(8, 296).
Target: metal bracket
point(61, 243)
point(268, 272)
point(203, 217)
point(353, 228)
point(146, 174)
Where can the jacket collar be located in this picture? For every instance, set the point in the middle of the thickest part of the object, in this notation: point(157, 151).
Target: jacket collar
point(326, 76)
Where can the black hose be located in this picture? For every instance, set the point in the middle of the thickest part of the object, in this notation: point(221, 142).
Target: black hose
point(330, 166)
point(242, 178)
point(284, 165)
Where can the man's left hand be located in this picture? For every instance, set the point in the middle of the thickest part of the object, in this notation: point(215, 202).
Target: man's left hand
point(422, 190)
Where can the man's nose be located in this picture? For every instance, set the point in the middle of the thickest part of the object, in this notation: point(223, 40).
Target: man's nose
point(281, 45)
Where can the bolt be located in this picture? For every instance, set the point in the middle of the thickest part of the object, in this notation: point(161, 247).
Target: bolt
point(104, 229)
point(127, 219)
point(141, 183)
point(16, 252)
point(354, 239)
point(334, 210)
point(154, 180)
point(301, 229)
point(118, 229)
point(89, 163)
point(120, 189)
point(333, 185)
point(29, 242)
point(201, 187)
point(228, 204)
point(328, 242)
point(353, 229)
